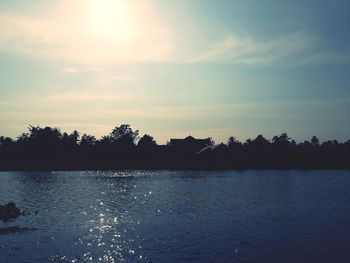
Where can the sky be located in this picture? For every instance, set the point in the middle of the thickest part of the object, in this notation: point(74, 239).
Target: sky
point(169, 68)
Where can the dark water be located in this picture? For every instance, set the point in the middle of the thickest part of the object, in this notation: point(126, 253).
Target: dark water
point(166, 216)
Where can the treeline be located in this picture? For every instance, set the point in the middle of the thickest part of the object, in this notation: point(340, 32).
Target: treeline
point(50, 149)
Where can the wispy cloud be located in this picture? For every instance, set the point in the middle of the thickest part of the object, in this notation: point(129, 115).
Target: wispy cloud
point(243, 50)
point(70, 70)
point(92, 96)
point(127, 78)
point(68, 35)
point(81, 68)
point(60, 102)
point(325, 57)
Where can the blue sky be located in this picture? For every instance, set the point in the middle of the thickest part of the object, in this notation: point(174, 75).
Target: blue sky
point(173, 68)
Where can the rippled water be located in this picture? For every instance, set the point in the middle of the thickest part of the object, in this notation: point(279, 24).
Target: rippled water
point(168, 216)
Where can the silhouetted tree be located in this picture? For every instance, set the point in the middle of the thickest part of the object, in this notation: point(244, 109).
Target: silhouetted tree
point(282, 139)
point(4, 141)
point(260, 140)
point(232, 141)
point(49, 148)
point(106, 139)
point(87, 140)
point(124, 133)
point(315, 141)
point(43, 137)
point(147, 142)
point(210, 141)
point(248, 142)
point(74, 137)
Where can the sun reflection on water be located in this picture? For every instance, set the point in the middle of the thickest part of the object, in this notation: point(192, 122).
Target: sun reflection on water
point(110, 231)
point(106, 238)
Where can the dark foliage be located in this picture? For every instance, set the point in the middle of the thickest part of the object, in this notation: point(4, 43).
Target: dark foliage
point(9, 212)
point(49, 149)
point(14, 229)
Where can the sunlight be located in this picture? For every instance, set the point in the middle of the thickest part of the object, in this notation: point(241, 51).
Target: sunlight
point(111, 19)
point(125, 31)
point(93, 32)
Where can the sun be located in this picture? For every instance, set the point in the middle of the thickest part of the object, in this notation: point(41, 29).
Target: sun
point(111, 19)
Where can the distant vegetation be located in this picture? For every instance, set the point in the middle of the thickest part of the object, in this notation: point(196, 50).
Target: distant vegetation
point(50, 149)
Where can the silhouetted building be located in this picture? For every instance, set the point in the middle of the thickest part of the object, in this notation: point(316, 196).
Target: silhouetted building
point(189, 143)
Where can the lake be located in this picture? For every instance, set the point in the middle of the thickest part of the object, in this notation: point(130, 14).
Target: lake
point(178, 216)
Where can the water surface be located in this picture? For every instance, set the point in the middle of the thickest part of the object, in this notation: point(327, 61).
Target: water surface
point(169, 216)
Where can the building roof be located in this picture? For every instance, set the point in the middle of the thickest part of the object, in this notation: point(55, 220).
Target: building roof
point(188, 139)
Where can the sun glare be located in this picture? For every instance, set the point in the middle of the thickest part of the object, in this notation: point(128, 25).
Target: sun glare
point(94, 32)
point(111, 19)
